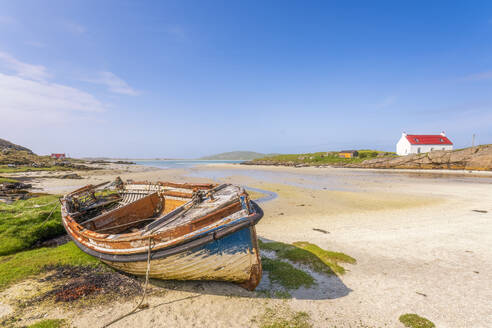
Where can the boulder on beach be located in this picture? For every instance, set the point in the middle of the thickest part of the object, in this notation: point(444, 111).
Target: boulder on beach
point(478, 158)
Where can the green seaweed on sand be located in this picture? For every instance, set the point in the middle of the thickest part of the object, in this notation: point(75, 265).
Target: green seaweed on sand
point(412, 320)
point(310, 255)
point(286, 275)
point(49, 323)
point(328, 257)
point(26, 222)
point(284, 317)
point(17, 267)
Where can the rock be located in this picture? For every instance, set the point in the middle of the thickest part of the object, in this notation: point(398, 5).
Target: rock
point(125, 162)
point(14, 186)
point(473, 158)
point(70, 176)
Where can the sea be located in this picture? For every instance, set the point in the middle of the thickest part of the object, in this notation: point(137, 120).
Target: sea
point(179, 164)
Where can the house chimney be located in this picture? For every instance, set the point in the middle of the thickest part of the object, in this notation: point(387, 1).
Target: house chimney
point(404, 134)
point(443, 134)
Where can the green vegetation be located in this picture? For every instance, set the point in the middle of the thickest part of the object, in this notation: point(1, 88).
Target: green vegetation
point(284, 318)
point(26, 222)
point(234, 155)
point(412, 320)
point(14, 268)
point(49, 323)
point(310, 255)
point(6, 169)
point(321, 158)
point(286, 275)
point(327, 257)
point(7, 180)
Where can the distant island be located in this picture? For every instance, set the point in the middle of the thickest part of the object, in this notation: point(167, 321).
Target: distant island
point(235, 155)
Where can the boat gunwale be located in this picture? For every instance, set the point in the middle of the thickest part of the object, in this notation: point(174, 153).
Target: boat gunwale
point(134, 242)
point(128, 237)
point(187, 244)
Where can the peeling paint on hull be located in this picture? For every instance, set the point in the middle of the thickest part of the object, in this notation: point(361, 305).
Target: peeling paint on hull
point(227, 259)
point(205, 236)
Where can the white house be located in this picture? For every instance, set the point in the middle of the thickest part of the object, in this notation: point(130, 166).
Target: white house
point(422, 143)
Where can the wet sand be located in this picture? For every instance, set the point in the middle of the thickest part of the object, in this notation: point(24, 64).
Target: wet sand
point(420, 248)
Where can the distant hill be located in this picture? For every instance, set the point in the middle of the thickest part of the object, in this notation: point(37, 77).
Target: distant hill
point(4, 144)
point(235, 155)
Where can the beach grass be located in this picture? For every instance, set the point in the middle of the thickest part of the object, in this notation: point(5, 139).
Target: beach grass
point(17, 169)
point(19, 266)
point(310, 255)
point(286, 275)
point(26, 222)
point(49, 323)
point(321, 158)
point(412, 320)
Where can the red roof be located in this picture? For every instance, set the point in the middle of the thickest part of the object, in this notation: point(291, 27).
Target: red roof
point(428, 139)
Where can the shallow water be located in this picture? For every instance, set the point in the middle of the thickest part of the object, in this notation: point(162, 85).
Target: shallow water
point(335, 179)
point(329, 181)
point(179, 164)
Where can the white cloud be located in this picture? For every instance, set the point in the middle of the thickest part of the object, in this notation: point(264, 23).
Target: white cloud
point(29, 71)
point(27, 98)
point(114, 83)
point(23, 99)
point(480, 76)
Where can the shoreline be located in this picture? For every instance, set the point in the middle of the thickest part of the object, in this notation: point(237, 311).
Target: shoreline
point(410, 236)
point(361, 169)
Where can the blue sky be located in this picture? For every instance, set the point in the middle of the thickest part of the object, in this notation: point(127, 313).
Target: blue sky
point(191, 78)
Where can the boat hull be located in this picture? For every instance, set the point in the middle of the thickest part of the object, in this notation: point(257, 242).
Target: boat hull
point(233, 258)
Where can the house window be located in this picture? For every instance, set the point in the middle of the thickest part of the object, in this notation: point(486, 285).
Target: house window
point(416, 139)
point(418, 150)
point(442, 140)
point(442, 148)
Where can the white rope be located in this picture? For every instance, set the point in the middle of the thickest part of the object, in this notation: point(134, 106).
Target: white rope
point(140, 305)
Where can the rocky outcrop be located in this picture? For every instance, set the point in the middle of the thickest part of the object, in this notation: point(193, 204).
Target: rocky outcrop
point(477, 158)
point(5, 146)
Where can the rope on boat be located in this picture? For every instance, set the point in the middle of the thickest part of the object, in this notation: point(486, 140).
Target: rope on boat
point(140, 305)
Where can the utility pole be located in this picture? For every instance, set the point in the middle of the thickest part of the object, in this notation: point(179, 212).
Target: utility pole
point(473, 140)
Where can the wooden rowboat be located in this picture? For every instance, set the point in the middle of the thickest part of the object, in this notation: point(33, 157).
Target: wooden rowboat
point(175, 231)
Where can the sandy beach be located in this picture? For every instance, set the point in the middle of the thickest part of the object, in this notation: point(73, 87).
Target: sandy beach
point(420, 245)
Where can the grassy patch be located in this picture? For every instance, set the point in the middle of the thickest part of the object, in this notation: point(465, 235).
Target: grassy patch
point(25, 222)
point(14, 268)
point(321, 158)
point(6, 169)
point(284, 318)
point(286, 275)
point(49, 323)
point(412, 320)
point(310, 255)
point(327, 257)
point(7, 180)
